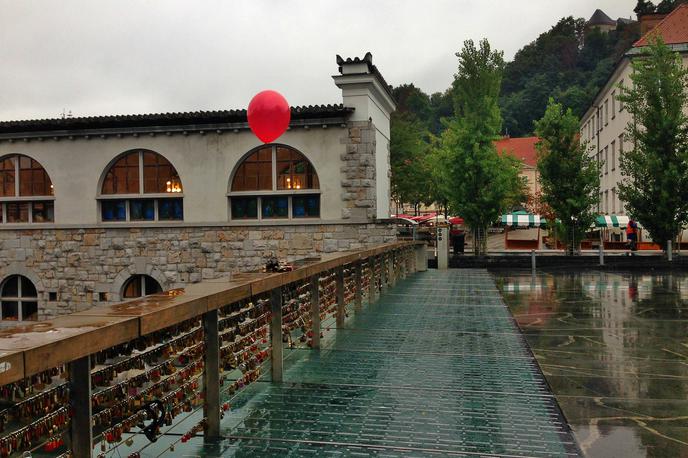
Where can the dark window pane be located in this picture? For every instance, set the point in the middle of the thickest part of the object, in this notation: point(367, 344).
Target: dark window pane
point(113, 210)
point(158, 175)
point(132, 288)
point(275, 207)
point(142, 210)
point(151, 284)
point(29, 311)
point(10, 310)
point(123, 176)
point(170, 209)
point(306, 206)
point(28, 290)
point(33, 179)
point(43, 212)
point(294, 171)
point(11, 287)
point(255, 173)
point(7, 177)
point(17, 212)
point(244, 207)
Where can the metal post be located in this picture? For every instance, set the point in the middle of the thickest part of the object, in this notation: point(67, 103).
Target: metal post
point(669, 251)
point(211, 375)
point(341, 305)
point(276, 334)
point(80, 394)
point(358, 286)
point(315, 310)
point(601, 254)
point(371, 280)
point(532, 260)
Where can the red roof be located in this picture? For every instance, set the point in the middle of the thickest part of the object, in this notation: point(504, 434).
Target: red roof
point(673, 29)
point(522, 149)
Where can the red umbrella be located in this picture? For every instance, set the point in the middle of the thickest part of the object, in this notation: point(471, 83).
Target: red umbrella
point(456, 220)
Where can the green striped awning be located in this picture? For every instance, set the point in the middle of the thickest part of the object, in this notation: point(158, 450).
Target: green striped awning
point(610, 221)
point(523, 220)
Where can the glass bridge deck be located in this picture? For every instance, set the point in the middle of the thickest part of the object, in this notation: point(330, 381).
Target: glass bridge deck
point(435, 367)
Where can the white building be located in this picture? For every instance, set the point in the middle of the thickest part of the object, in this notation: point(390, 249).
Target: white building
point(604, 123)
point(98, 209)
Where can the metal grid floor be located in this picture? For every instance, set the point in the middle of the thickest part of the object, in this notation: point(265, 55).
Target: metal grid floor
point(436, 367)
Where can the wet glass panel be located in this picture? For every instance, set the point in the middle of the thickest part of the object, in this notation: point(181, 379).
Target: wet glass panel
point(123, 176)
point(305, 206)
point(7, 177)
point(275, 207)
point(170, 209)
point(29, 311)
point(43, 212)
point(113, 210)
point(244, 207)
point(10, 310)
point(17, 212)
point(142, 210)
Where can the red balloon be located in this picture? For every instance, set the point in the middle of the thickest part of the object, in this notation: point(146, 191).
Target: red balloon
point(268, 115)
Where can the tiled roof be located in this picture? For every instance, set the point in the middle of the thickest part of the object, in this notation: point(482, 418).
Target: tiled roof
point(522, 148)
point(673, 29)
point(192, 118)
point(368, 60)
point(600, 18)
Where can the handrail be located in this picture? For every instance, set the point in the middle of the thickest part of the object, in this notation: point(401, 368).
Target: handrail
point(31, 349)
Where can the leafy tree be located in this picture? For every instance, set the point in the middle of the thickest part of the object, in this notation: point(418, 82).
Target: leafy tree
point(644, 7)
point(410, 170)
point(655, 184)
point(481, 184)
point(568, 175)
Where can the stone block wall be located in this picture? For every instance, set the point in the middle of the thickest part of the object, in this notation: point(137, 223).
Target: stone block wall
point(86, 267)
point(358, 172)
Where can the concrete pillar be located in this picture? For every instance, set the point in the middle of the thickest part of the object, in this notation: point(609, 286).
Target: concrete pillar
point(80, 399)
point(442, 248)
point(421, 258)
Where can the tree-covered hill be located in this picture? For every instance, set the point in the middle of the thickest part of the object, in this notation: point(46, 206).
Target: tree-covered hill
point(565, 63)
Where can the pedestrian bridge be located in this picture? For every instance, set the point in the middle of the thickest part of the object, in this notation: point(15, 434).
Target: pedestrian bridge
point(433, 365)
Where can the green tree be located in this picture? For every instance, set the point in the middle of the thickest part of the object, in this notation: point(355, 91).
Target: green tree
point(568, 174)
point(655, 184)
point(480, 183)
point(410, 170)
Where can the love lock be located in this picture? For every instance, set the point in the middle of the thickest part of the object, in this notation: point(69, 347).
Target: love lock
point(157, 419)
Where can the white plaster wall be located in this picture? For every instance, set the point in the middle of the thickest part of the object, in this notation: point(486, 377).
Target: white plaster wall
point(204, 163)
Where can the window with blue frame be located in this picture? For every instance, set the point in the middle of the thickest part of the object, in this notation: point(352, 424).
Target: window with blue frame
point(274, 182)
point(141, 186)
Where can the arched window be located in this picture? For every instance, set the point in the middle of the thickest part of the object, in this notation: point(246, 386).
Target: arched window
point(139, 286)
point(274, 182)
point(26, 192)
point(141, 186)
point(18, 299)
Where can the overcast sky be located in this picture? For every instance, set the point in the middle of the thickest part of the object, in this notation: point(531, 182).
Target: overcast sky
point(121, 57)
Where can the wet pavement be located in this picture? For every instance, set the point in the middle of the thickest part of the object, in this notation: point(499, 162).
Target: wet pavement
point(614, 349)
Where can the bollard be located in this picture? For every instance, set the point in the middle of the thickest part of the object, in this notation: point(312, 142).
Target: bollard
point(601, 254)
point(669, 251)
point(532, 260)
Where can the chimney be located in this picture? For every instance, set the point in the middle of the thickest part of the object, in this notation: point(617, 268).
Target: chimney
point(649, 21)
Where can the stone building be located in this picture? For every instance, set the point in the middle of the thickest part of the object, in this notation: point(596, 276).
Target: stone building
point(99, 209)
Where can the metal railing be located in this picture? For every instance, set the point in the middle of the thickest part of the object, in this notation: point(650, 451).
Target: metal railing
point(100, 378)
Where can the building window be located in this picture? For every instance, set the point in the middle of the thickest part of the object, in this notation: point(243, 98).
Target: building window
point(606, 201)
point(141, 186)
point(18, 299)
point(140, 285)
point(613, 155)
point(621, 104)
point(621, 143)
point(606, 112)
point(274, 182)
point(606, 160)
point(613, 104)
point(613, 200)
point(26, 192)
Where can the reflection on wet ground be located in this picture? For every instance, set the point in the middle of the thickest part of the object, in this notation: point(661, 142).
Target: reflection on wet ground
point(614, 349)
